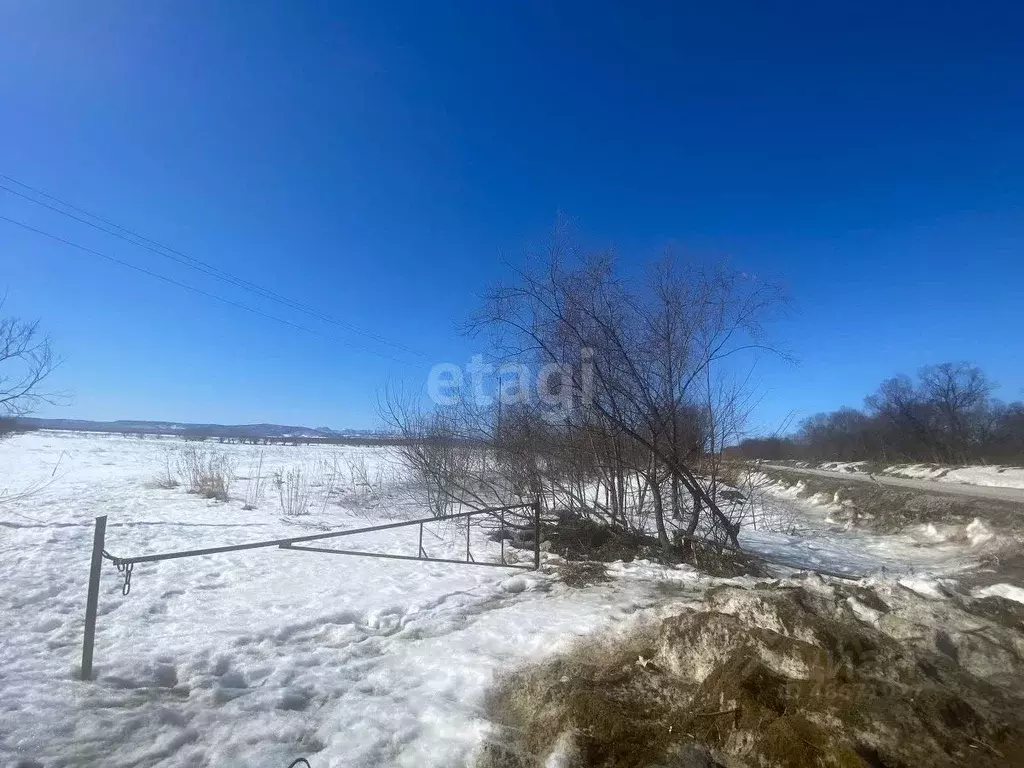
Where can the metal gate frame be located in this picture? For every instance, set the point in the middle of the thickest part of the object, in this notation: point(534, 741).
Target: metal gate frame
point(125, 565)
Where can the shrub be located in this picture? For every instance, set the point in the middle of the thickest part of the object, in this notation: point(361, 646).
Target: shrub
point(168, 476)
point(358, 471)
point(256, 482)
point(293, 491)
point(206, 473)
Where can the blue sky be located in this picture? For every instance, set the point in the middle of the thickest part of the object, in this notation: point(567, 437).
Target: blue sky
point(375, 160)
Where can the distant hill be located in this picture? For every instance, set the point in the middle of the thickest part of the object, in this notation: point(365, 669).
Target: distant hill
point(198, 430)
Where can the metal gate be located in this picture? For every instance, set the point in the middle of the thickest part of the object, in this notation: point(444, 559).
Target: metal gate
point(126, 565)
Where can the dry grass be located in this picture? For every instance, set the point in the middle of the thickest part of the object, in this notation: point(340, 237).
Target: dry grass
point(206, 473)
point(255, 482)
point(579, 541)
point(597, 687)
point(293, 490)
point(168, 477)
point(583, 573)
point(769, 677)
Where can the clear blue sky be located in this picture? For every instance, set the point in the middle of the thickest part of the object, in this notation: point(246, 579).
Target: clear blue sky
point(373, 160)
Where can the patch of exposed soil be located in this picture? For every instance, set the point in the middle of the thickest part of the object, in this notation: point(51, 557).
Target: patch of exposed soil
point(791, 673)
point(579, 539)
point(582, 573)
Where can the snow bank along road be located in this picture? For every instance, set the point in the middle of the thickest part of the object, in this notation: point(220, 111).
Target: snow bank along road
point(251, 659)
point(931, 486)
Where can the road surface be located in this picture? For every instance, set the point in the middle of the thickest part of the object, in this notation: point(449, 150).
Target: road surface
point(931, 486)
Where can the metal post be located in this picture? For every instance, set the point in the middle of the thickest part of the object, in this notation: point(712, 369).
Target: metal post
point(92, 601)
point(536, 534)
point(502, 537)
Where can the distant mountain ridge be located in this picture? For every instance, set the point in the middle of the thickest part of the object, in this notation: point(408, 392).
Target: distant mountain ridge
point(189, 428)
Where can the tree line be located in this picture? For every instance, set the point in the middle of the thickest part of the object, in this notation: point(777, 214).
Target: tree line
point(946, 415)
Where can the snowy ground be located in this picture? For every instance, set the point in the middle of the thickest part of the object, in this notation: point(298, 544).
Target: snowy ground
point(999, 477)
point(994, 476)
point(783, 523)
point(255, 658)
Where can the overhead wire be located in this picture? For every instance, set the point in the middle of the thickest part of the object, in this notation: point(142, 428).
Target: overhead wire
point(199, 291)
point(141, 241)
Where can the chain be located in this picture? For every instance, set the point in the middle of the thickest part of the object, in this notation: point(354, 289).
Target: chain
point(126, 570)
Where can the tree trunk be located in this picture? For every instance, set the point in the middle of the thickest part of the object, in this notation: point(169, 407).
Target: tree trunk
point(691, 528)
point(659, 514)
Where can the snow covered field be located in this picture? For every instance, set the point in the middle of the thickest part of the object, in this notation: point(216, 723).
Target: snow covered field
point(255, 658)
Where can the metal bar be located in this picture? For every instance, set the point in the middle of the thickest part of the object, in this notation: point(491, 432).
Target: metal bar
point(356, 553)
point(502, 537)
point(710, 543)
point(422, 551)
point(93, 598)
point(805, 568)
point(311, 537)
point(469, 557)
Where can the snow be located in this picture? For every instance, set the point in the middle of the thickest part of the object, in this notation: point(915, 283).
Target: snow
point(1002, 477)
point(988, 475)
point(924, 586)
point(783, 525)
point(1009, 591)
point(255, 658)
point(844, 466)
point(978, 533)
point(864, 612)
point(993, 476)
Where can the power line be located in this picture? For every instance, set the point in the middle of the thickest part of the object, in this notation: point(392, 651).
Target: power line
point(199, 291)
point(191, 262)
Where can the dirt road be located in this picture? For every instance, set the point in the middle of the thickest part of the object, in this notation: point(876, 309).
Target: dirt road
point(931, 486)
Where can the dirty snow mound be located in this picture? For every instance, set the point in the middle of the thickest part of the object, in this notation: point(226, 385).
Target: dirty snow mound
point(1007, 591)
point(792, 673)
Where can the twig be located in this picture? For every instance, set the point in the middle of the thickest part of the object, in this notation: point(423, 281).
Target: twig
point(988, 746)
point(716, 714)
point(813, 746)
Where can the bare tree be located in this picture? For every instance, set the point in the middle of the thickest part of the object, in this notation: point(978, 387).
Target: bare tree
point(26, 361)
point(630, 410)
point(641, 362)
point(959, 395)
point(944, 417)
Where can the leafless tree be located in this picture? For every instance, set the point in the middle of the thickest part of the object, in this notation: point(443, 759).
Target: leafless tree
point(959, 395)
point(641, 363)
point(943, 417)
point(26, 361)
point(631, 408)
